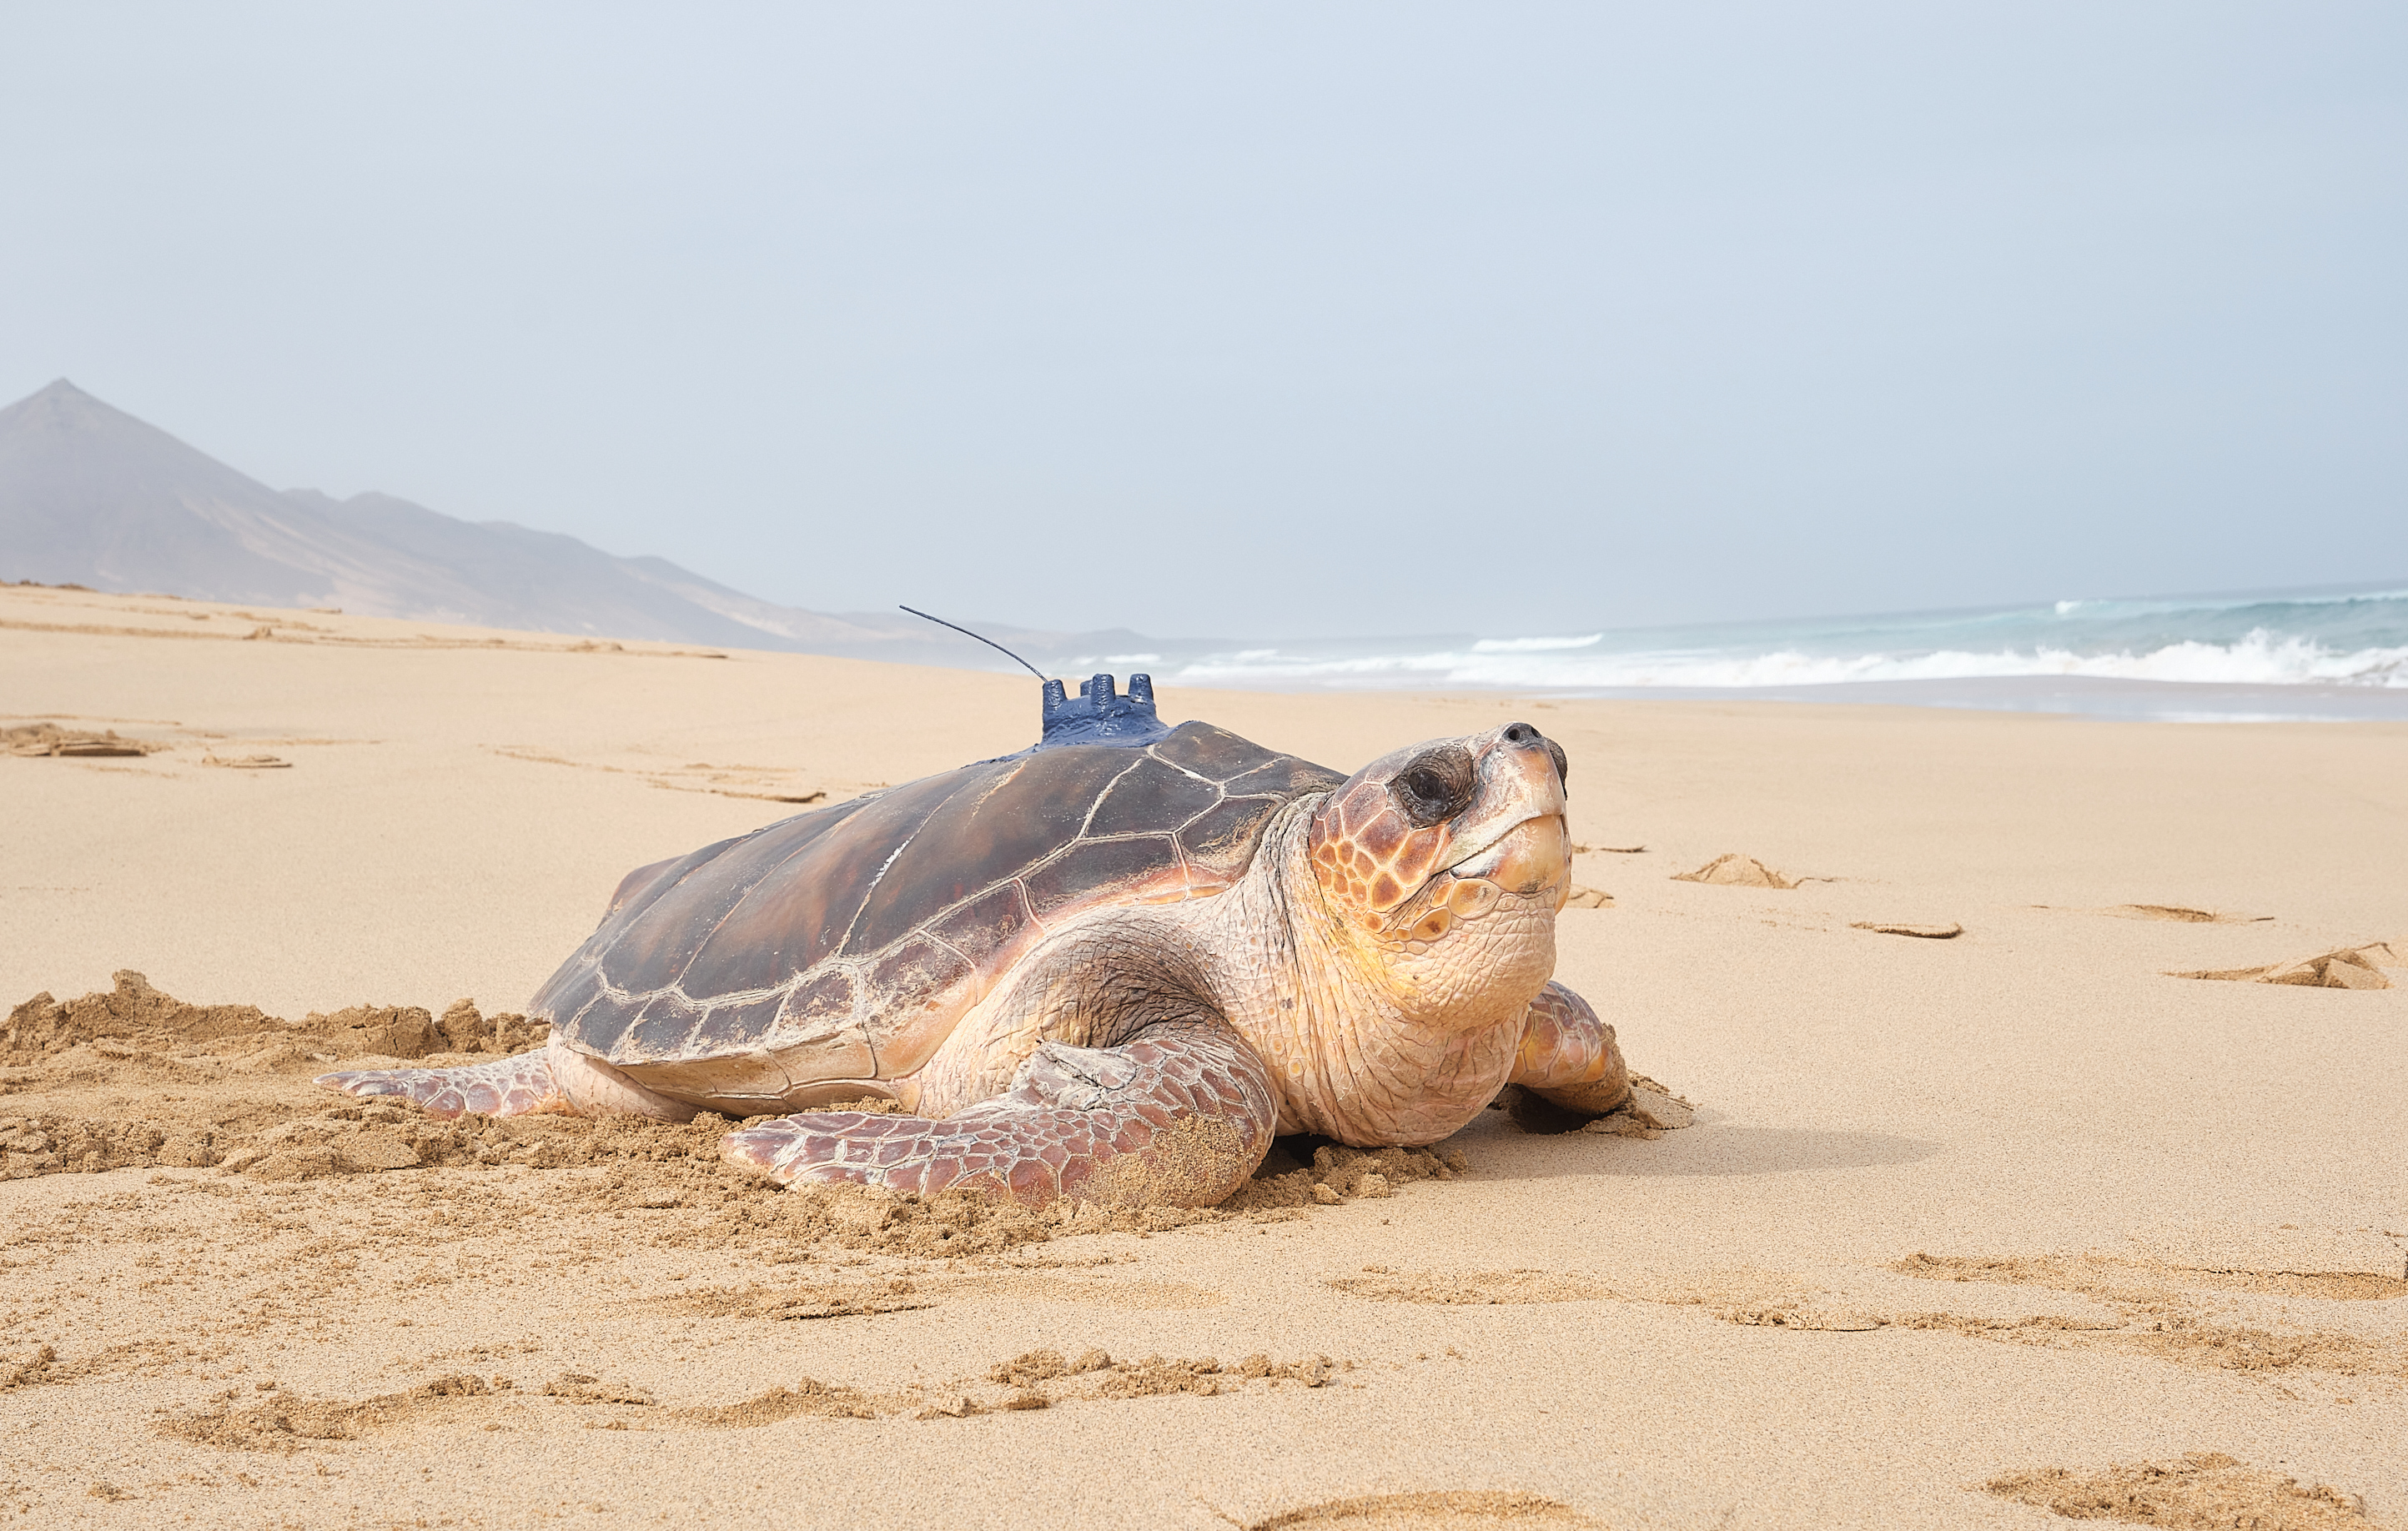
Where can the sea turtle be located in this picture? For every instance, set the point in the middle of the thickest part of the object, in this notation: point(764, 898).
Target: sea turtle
point(1110, 967)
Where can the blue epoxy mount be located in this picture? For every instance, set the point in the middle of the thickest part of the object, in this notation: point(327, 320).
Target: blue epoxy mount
point(1098, 715)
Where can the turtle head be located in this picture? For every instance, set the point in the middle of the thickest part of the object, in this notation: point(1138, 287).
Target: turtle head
point(1446, 862)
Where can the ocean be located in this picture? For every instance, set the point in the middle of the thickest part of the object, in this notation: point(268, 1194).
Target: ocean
point(2333, 654)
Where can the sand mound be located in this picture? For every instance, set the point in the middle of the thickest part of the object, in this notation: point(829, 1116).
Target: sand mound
point(577, 1387)
point(135, 1016)
point(1928, 933)
point(49, 1144)
point(1102, 1377)
point(26, 1368)
point(2179, 915)
point(2205, 1490)
point(1738, 871)
point(1587, 898)
point(343, 1139)
point(50, 740)
point(2343, 967)
point(806, 1400)
point(1339, 1173)
point(213, 1073)
point(133, 1013)
point(1650, 1111)
point(1831, 1321)
point(1454, 1510)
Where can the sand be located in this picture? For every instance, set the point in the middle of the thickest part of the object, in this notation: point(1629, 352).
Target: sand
point(1982, 1230)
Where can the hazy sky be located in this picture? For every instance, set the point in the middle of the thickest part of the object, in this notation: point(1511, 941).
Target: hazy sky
point(1262, 319)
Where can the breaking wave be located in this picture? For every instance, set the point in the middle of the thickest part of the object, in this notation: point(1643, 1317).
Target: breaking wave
point(2279, 639)
point(2258, 659)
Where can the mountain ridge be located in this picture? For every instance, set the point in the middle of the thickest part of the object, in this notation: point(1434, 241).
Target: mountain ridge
point(92, 496)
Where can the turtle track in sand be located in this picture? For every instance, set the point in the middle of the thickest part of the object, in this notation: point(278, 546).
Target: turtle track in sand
point(2342, 968)
point(1445, 1509)
point(266, 1418)
point(2321, 1327)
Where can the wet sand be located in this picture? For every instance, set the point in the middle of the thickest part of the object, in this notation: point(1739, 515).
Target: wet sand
point(1958, 1211)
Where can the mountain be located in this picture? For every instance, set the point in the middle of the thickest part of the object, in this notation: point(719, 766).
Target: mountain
point(91, 496)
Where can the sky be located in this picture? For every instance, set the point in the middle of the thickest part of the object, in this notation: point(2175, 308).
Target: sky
point(1268, 319)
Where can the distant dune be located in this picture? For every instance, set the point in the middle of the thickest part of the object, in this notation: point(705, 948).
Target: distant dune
point(91, 496)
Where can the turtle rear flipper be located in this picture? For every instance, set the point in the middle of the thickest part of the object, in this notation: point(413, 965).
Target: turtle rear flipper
point(519, 1086)
point(550, 1078)
point(1177, 1116)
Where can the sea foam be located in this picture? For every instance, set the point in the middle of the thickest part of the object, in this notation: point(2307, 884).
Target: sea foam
point(2358, 639)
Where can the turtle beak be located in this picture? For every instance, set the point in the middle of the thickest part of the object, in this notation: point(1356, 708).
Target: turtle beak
point(1521, 785)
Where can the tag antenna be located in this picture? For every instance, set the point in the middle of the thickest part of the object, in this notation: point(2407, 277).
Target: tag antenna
point(967, 632)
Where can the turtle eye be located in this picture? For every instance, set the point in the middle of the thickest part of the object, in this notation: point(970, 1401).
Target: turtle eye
point(1563, 764)
point(1436, 784)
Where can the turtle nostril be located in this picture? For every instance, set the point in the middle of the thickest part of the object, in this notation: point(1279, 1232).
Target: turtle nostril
point(1521, 734)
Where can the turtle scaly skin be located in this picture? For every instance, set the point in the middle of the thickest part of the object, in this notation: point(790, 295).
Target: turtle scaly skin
point(1108, 970)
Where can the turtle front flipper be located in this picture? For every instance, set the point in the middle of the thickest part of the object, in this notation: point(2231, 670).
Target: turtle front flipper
point(1569, 1057)
point(1177, 1116)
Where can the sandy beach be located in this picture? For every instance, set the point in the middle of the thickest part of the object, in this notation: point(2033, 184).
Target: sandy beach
point(1957, 1211)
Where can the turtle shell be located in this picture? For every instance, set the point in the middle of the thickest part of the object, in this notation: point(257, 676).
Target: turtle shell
point(837, 948)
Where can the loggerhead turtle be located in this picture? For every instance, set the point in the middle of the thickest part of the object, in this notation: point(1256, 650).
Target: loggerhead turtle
point(1110, 967)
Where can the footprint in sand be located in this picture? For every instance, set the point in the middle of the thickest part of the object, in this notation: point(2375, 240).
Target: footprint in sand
point(50, 740)
point(1450, 1510)
point(2172, 1306)
point(2198, 1488)
point(2228, 1248)
point(1470, 1289)
point(2343, 967)
point(2179, 915)
point(1928, 933)
point(1737, 871)
point(1756, 1299)
point(284, 1423)
point(902, 1295)
point(753, 782)
point(811, 1300)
